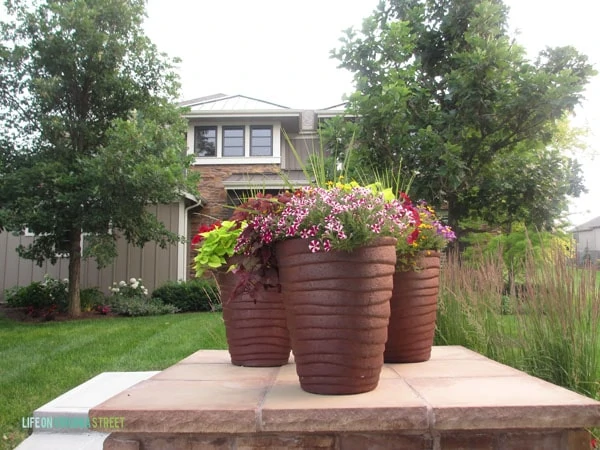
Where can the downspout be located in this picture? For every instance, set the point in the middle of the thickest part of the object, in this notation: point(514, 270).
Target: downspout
point(185, 253)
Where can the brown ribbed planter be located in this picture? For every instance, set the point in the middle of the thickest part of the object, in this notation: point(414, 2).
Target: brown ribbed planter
point(256, 330)
point(338, 308)
point(413, 312)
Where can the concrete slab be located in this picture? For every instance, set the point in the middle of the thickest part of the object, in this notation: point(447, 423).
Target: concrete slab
point(63, 416)
point(63, 441)
point(73, 406)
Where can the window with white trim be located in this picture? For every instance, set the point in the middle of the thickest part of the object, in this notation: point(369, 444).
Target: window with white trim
point(255, 143)
point(65, 243)
point(205, 141)
point(234, 143)
point(261, 140)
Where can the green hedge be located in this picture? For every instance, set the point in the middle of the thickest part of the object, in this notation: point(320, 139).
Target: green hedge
point(40, 295)
point(193, 295)
point(140, 306)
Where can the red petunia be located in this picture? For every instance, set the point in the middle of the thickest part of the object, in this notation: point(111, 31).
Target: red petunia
point(412, 237)
point(198, 238)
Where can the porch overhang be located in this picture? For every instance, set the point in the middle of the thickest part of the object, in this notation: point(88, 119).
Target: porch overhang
point(262, 181)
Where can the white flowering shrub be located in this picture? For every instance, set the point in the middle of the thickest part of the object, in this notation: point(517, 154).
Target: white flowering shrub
point(131, 289)
point(130, 298)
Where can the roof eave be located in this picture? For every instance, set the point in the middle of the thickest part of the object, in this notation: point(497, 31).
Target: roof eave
point(241, 113)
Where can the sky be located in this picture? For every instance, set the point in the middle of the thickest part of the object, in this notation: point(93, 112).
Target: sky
point(279, 51)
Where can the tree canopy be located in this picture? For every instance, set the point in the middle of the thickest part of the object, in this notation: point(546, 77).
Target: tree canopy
point(443, 90)
point(89, 132)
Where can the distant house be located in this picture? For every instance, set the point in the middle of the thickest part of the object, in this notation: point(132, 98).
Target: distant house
point(587, 237)
point(240, 146)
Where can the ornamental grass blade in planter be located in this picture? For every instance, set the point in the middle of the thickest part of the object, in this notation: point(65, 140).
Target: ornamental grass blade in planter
point(255, 324)
point(337, 306)
point(413, 311)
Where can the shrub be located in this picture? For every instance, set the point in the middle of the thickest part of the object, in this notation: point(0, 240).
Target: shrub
point(131, 299)
point(132, 288)
point(193, 295)
point(49, 294)
point(91, 298)
point(140, 306)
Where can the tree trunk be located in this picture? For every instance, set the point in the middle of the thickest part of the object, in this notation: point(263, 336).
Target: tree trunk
point(453, 223)
point(74, 272)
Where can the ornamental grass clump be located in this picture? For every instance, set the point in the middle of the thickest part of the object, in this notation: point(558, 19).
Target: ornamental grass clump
point(343, 217)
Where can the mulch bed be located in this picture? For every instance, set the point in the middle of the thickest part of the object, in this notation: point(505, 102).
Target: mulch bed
point(22, 315)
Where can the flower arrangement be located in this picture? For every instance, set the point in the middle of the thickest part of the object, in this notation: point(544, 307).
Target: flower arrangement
point(220, 243)
point(341, 217)
point(428, 233)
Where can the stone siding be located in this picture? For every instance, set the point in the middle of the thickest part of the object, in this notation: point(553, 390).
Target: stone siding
point(212, 191)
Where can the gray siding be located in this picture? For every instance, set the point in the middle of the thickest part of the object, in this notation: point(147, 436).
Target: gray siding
point(304, 145)
point(151, 263)
point(588, 243)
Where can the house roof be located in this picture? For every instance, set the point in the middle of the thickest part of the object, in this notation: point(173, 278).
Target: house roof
point(590, 225)
point(337, 106)
point(222, 102)
point(222, 105)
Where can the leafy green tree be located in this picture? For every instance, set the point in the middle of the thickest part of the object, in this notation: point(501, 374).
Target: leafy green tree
point(89, 134)
point(441, 87)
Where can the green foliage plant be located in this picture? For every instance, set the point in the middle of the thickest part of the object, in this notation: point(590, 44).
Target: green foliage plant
point(215, 245)
point(141, 306)
point(40, 297)
point(91, 298)
point(559, 327)
point(194, 295)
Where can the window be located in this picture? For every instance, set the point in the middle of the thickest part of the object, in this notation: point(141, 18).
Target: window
point(233, 141)
point(64, 245)
point(205, 141)
point(261, 141)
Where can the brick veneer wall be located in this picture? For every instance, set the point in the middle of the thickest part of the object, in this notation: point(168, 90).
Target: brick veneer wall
point(552, 439)
point(213, 192)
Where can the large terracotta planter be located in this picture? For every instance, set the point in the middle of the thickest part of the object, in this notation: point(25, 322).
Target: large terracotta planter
point(256, 329)
point(413, 312)
point(337, 306)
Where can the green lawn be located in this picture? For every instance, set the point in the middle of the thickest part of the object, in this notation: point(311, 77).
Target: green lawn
point(38, 362)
